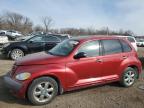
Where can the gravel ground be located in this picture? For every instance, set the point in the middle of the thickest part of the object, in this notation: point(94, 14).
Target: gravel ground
point(104, 96)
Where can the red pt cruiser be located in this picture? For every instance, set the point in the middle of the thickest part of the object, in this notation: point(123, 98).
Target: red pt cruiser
point(73, 64)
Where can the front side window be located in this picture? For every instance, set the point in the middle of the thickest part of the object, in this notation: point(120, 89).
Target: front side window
point(111, 46)
point(90, 48)
point(51, 39)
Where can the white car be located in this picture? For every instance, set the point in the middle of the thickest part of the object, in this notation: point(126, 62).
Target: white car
point(132, 40)
point(3, 32)
point(13, 34)
point(140, 42)
point(3, 40)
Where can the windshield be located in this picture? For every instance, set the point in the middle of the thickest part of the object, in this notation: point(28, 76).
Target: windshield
point(64, 48)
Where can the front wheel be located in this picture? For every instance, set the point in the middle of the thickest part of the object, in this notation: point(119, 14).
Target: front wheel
point(128, 77)
point(42, 90)
point(16, 53)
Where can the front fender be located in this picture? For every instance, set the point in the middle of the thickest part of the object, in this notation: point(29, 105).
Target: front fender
point(55, 70)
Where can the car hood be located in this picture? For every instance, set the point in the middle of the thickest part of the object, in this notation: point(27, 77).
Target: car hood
point(40, 59)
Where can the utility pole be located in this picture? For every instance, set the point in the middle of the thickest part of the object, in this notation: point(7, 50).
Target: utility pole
point(107, 30)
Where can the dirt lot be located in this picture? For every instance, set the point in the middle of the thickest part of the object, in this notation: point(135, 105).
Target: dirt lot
point(105, 96)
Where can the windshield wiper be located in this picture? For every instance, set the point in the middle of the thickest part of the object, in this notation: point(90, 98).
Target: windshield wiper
point(50, 53)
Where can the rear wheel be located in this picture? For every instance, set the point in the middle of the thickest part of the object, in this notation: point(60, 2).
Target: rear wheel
point(16, 53)
point(129, 77)
point(42, 90)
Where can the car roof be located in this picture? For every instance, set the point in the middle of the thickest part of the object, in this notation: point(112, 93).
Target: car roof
point(95, 37)
point(125, 36)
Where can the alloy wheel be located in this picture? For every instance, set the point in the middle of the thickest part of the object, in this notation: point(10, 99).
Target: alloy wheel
point(16, 53)
point(129, 78)
point(43, 92)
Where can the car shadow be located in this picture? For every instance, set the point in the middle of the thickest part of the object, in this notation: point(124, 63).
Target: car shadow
point(3, 57)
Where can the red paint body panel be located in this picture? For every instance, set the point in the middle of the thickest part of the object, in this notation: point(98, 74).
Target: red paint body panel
point(76, 73)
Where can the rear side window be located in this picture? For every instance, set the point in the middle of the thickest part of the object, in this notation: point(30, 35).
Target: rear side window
point(52, 39)
point(111, 46)
point(90, 48)
point(131, 39)
point(37, 39)
point(126, 47)
point(62, 37)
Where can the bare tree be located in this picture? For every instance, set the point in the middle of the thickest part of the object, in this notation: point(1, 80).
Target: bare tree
point(17, 22)
point(47, 23)
point(1, 21)
point(37, 28)
point(128, 33)
point(13, 19)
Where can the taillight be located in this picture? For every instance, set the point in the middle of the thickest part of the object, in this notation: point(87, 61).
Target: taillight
point(136, 55)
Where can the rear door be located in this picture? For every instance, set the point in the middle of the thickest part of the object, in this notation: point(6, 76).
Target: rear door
point(126, 49)
point(112, 58)
point(87, 70)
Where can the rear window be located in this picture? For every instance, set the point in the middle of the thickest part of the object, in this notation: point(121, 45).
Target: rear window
point(131, 39)
point(126, 47)
point(111, 46)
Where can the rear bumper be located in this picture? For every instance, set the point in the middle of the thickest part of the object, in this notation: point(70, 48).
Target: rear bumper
point(12, 84)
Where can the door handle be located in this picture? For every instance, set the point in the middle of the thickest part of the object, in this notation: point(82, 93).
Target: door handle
point(99, 60)
point(124, 57)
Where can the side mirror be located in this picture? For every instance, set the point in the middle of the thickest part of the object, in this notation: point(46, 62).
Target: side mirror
point(80, 55)
point(30, 41)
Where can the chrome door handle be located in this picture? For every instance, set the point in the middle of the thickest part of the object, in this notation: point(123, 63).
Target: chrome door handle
point(124, 57)
point(99, 60)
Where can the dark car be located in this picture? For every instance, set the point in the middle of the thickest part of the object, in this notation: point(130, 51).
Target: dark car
point(33, 44)
point(73, 64)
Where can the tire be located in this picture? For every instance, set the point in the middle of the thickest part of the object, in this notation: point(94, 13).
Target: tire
point(16, 54)
point(42, 91)
point(129, 77)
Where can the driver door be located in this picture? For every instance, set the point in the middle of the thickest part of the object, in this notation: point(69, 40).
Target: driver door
point(36, 44)
point(88, 69)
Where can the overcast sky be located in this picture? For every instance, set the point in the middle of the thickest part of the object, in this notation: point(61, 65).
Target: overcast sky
point(116, 14)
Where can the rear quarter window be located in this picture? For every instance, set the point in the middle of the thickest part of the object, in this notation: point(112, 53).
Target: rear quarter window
point(126, 47)
point(130, 39)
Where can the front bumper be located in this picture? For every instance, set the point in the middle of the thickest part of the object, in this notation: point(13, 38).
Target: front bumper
point(12, 84)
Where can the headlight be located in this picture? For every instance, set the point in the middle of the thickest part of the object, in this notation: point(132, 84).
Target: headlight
point(23, 76)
